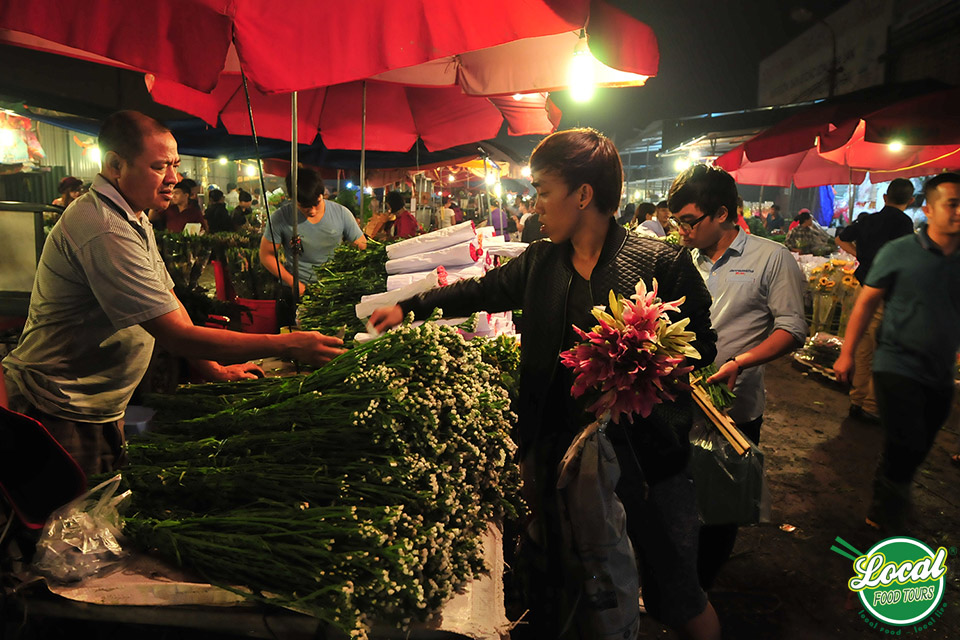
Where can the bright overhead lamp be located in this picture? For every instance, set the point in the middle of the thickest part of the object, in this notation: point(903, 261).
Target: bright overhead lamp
point(525, 171)
point(581, 74)
point(223, 160)
point(895, 146)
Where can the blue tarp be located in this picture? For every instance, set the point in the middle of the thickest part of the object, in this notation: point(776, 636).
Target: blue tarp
point(825, 205)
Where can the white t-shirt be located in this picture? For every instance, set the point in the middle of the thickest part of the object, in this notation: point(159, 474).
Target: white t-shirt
point(447, 218)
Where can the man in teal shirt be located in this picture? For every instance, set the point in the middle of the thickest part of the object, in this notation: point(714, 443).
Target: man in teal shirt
point(321, 226)
point(918, 279)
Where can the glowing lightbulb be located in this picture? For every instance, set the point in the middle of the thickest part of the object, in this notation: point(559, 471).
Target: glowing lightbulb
point(681, 164)
point(895, 146)
point(525, 172)
point(93, 153)
point(250, 170)
point(636, 194)
point(498, 190)
point(349, 185)
point(518, 97)
point(452, 178)
point(7, 138)
point(490, 179)
point(223, 160)
point(580, 77)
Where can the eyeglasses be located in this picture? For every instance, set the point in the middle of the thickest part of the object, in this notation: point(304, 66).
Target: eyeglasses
point(688, 226)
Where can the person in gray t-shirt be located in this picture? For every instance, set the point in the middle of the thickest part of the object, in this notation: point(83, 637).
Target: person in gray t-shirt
point(102, 296)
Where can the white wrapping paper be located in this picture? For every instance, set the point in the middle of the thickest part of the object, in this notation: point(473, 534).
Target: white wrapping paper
point(368, 304)
point(432, 241)
point(399, 280)
point(506, 249)
point(460, 255)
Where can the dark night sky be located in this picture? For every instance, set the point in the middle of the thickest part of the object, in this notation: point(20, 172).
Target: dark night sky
point(710, 52)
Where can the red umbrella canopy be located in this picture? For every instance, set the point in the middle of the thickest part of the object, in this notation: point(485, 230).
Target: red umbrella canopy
point(304, 44)
point(804, 169)
point(836, 117)
point(396, 116)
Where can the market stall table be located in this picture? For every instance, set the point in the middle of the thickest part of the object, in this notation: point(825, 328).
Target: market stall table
point(147, 591)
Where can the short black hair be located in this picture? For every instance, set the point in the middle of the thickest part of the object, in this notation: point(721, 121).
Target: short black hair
point(709, 188)
point(775, 207)
point(186, 185)
point(68, 184)
point(123, 133)
point(662, 205)
point(803, 217)
point(930, 186)
point(309, 187)
point(646, 209)
point(244, 196)
point(394, 200)
point(900, 191)
point(215, 195)
point(231, 186)
point(583, 156)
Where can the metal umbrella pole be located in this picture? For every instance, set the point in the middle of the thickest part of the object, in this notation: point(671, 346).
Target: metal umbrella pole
point(256, 146)
point(296, 247)
point(363, 146)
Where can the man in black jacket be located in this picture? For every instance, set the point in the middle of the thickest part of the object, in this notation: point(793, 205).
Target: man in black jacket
point(578, 177)
point(864, 238)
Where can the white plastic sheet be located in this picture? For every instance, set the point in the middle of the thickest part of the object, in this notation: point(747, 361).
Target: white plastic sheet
point(432, 241)
point(368, 304)
point(460, 255)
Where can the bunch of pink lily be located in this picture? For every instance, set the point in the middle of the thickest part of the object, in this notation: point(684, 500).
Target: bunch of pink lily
point(633, 358)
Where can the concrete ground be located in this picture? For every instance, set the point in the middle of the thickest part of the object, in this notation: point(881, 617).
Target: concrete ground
point(788, 585)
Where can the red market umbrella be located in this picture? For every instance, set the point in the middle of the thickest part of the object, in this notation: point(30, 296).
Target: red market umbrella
point(803, 168)
point(304, 44)
point(830, 143)
point(835, 117)
point(886, 161)
point(396, 115)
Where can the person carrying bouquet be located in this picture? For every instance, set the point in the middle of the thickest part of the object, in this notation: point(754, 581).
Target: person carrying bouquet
point(578, 177)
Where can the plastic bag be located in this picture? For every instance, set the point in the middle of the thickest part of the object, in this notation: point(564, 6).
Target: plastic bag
point(731, 488)
point(587, 480)
point(80, 538)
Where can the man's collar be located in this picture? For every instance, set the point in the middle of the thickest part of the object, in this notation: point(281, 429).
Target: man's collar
point(924, 239)
point(738, 243)
point(105, 188)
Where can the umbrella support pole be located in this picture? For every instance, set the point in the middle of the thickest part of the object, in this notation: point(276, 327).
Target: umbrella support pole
point(256, 147)
point(294, 170)
point(363, 147)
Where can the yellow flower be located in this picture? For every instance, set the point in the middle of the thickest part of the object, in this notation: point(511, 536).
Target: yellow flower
point(839, 263)
point(825, 282)
point(850, 281)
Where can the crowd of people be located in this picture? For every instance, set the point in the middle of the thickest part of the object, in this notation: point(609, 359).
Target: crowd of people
point(102, 298)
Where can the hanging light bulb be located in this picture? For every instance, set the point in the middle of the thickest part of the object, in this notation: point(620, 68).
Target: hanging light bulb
point(7, 138)
point(895, 146)
point(452, 178)
point(250, 170)
point(580, 76)
point(223, 160)
point(681, 164)
point(490, 179)
point(525, 172)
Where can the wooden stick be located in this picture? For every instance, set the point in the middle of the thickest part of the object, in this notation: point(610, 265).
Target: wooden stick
point(721, 421)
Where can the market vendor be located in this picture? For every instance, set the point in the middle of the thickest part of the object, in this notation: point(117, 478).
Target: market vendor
point(70, 189)
point(579, 177)
point(183, 210)
point(321, 226)
point(102, 296)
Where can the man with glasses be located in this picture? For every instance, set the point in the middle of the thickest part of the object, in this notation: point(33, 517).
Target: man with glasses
point(757, 308)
